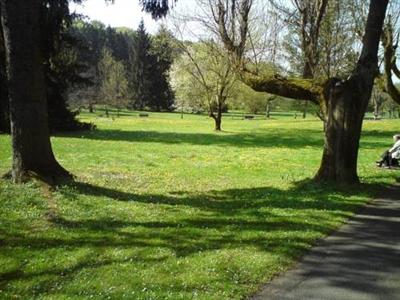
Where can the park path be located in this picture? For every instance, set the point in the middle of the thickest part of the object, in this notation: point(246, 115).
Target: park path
point(360, 261)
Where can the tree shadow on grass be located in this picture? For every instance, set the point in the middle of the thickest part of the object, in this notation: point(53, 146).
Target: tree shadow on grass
point(303, 195)
point(274, 137)
point(227, 219)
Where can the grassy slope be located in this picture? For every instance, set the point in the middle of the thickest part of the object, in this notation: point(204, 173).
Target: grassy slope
point(165, 208)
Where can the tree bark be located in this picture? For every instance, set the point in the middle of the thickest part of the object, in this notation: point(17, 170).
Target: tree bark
point(268, 112)
point(390, 63)
point(344, 118)
point(32, 152)
point(305, 108)
point(90, 106)
point(4, 105)
point(220, 102)
point(218, 121)
point(376, 111)
point(347, 101)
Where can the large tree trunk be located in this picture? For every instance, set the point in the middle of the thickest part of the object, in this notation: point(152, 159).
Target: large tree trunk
point(4, 110)
point(346, 103)
point(32, 152)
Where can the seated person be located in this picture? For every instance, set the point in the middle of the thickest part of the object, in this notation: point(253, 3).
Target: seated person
point(391, 157)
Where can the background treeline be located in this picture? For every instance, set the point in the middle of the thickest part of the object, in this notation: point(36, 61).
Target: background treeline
point(127, 68)
point(89, 65)
point(60, 70)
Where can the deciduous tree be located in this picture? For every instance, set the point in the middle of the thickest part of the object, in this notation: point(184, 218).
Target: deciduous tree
point(113, 82)
point(344, 100)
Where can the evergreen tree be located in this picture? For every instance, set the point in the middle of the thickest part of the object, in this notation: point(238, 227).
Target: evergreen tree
point(163, 50)
point(59, 69)
point(141, 69)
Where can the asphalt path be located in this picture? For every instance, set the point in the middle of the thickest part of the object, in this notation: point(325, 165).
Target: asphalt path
point(360, 261)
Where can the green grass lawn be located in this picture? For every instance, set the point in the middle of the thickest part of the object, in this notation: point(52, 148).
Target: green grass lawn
point(165, 208)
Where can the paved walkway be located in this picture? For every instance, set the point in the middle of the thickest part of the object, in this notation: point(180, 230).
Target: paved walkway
point(361, 261)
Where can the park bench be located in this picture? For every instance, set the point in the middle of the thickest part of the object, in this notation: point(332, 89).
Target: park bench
point(143, 115)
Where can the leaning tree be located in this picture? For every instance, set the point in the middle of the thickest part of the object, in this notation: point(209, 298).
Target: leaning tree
point(343, 100)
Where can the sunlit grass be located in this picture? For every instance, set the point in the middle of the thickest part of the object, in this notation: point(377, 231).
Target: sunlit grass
point(165, 208)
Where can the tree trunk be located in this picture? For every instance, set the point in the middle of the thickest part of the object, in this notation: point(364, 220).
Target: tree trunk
point(376, 110)
point(4, 105)
point(268, 113)
point(343, 125)
point(90, 106)
point(218, 121)
point(305, 109)
point(346, 102)
point(32, 152)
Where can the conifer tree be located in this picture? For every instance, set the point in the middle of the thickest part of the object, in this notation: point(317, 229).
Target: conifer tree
point(141, 62)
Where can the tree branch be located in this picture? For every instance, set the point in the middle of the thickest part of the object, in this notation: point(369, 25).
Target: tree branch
point(390, 63)
point(294, 88)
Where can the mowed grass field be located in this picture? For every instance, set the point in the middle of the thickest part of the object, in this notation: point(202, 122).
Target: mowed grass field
point(166, 208)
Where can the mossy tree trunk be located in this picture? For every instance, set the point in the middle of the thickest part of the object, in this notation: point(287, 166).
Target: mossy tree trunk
point(345, 113)
point(346, 103)
point(32, 151)
point(343, 102)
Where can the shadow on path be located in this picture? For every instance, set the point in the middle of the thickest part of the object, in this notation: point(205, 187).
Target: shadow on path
point(360, 261)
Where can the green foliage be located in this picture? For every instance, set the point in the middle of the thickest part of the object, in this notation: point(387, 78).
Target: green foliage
point(249, 100)
point(158, 213)
point(62, 68)
point(113, 82)
point(162, 47)
point(141, 68)
point(200, 74)
point(157, 8)
point(147, 60)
